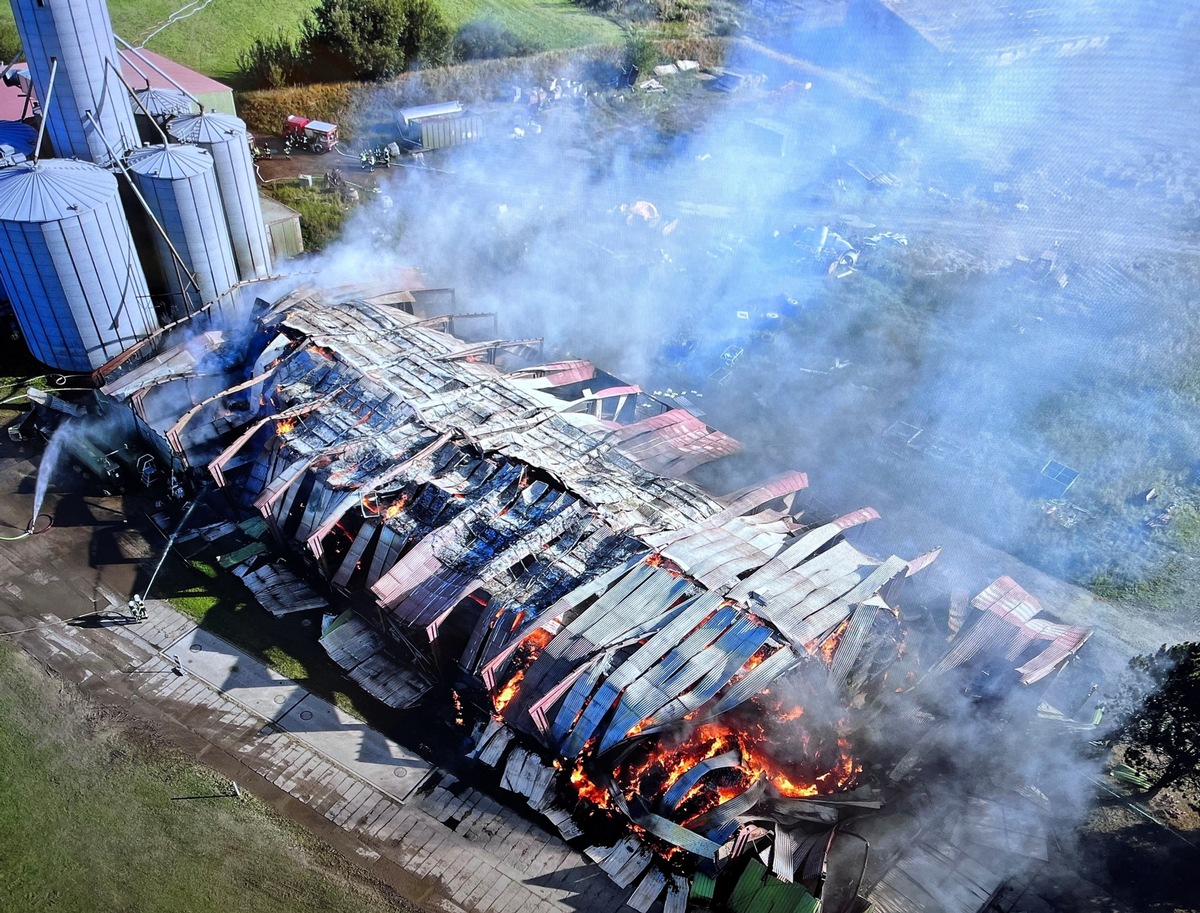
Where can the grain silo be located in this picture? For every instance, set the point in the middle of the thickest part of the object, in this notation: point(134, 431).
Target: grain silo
point(179, 185)
point(17, 135)
point(228, 142)
point(74, 39)
point(157, 106)
point(68, 264)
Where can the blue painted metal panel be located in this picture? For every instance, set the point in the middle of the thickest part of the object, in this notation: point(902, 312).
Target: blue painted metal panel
point(18, 135)
point(227, 141)
point(180, 186)
point(155, 106)
point(69, 266)
point(79, 34)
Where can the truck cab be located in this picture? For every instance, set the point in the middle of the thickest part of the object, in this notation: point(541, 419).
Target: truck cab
point(315, 135)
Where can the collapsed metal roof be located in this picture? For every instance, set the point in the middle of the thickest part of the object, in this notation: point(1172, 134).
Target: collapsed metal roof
point(541, 542)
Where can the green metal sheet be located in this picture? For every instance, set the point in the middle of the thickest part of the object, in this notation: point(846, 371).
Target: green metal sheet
point(703, 887)
point(758, 891)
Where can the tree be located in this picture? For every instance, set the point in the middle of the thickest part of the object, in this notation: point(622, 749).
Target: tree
point(272, 63)
point(1159, 713)
point(487, 39)
point(10, 43)
point(380, 38)
point(426, 38)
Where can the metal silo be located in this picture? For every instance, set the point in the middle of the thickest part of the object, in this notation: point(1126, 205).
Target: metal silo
point(179, 185)
point(159, 105)
point(68, 264)
point(227, 140)
point(78, 35)
point(19, 136)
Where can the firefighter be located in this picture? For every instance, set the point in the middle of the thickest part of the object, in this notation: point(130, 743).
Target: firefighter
point(137, 608)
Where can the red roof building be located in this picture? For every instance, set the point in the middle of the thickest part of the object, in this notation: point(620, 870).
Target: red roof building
point(215, 96)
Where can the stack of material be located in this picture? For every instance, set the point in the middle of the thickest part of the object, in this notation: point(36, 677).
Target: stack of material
point(281, 592)
point(525, 773)
point(361, 651)
point(492, 743)
point(561, 819)
point(647, 891)
point(622, 863)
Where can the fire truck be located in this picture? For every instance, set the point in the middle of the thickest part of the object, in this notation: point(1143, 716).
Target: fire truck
point(314, 135)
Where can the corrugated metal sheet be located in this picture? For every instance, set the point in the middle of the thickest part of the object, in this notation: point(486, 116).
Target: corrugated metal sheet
point(804, 547)
point(1048, 660)
point(677, 895)
point(708, 672)
point(703, 886)
point(681, 787)
point(576, 702)
point(853, 640)
point(362, 541)
point(647, 891)
point(783, 854)
point(441, 134)
point(68, 264)
point(359, 649)
point(20, 136)
point(757, 891)
point(679, 836)
point(422, 112)
point(162, 104)
point(778, 663)
point(227, 141)
point(79, 34)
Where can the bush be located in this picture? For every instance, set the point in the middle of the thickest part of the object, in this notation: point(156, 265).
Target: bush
point(640, 51)
point(381, 38)
point(487, 39)
point(264, 110)
point(322, 215)
point(10, 43)
point(272, 63)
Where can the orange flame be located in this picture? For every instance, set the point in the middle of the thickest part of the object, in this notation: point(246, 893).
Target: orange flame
point(509, 691)
point(523, 657)
point(833, 642)
point(286, 426)
point(653, 774)
point(588, 791)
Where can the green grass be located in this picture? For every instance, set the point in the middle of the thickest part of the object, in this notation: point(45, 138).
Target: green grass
point(211, 40)
point(322, 213)
point(221, 604)
point(542, 24)
point(89, 820)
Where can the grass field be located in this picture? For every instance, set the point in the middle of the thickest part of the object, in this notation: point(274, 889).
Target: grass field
point(220, 604)
point(91, 819)
point(209, 41)
point(542, 24)
point(212, 39)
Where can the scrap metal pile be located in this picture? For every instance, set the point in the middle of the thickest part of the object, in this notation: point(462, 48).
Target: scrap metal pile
point(693, 664)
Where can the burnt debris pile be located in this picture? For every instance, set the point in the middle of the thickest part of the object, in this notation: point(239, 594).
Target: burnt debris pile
point(719, 682)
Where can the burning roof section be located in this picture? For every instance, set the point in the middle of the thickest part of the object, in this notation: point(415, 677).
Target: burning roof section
point(525, 526)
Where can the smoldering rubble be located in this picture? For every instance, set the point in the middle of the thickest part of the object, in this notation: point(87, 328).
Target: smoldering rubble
point(722, 681)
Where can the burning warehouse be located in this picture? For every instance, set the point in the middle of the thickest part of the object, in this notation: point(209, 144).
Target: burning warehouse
point(694, 683)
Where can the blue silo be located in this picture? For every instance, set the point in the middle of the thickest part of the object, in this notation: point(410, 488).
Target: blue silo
point(179, 185)
point(68, 264)
point(228, 142)
point(159, 105)
point(78, 34)
point(20, 136)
